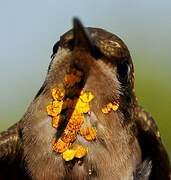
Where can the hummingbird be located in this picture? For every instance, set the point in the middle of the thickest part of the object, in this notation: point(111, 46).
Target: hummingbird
point(126, 144)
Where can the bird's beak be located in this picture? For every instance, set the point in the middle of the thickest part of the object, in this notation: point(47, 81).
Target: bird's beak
point(82, 37)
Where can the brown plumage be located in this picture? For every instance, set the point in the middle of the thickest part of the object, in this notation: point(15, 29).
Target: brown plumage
point(128, 145)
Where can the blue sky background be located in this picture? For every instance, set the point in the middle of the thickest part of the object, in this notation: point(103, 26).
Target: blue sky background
point(28, 30)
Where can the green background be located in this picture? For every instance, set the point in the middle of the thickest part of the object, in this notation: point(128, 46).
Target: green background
point(28, 30)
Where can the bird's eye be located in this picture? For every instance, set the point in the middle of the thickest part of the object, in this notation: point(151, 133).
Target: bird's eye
point(123, 70)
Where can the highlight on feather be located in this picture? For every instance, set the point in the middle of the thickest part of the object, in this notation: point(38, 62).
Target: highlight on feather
point(110, 107)
point(72, 78)
point(77, 151)
point(89, 133)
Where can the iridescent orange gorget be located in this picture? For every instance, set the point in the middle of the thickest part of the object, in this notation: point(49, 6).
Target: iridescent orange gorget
point(69, 107)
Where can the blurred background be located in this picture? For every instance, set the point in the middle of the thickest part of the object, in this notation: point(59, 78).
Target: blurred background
point(29, 29)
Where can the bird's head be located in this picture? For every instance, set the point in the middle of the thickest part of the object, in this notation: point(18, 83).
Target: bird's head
point(107, 72)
